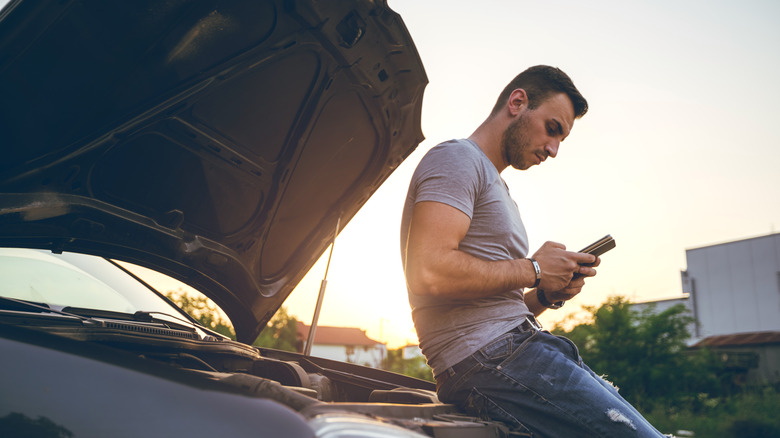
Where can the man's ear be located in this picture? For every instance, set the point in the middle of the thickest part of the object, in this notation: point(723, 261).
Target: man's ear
point(518, 100)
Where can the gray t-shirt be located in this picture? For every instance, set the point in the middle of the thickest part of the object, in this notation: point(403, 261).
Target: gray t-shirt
point(458, 173)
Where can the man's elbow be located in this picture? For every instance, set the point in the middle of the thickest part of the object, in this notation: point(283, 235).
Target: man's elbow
point(424, 282)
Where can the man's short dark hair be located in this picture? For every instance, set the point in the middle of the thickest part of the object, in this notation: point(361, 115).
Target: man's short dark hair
point(540, 83)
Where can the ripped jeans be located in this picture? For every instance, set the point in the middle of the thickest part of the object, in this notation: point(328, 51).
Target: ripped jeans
point(537, 383)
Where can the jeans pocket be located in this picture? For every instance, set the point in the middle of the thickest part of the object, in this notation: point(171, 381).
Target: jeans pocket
point(482, 406)
point(519, 343)
point(575, 351)
point(506, 345)
point(498, 348)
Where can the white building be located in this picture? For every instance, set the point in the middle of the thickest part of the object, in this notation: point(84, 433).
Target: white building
point(345, 344)
point(733, 291)
point(735, 286)
point(411, 351)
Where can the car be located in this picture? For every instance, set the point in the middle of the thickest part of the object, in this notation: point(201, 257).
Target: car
point(217, 142)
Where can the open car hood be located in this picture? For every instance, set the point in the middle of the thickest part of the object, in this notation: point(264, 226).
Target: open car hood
point(218, 142)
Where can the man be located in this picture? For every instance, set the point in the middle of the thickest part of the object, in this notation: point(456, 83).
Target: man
point(474, 292)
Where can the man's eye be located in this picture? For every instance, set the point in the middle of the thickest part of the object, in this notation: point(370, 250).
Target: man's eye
point(554, 129)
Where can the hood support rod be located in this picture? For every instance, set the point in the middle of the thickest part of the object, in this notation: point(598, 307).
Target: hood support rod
point(321, 295)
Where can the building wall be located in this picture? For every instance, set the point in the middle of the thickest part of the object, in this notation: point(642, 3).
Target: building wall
point(663, 305)
point(411, 351)
point(361, 355)
point(757, 364)
point(768, 364)
point(735, 287)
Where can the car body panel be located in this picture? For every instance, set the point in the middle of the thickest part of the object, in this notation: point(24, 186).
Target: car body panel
point(89, 390)
point(218, 142)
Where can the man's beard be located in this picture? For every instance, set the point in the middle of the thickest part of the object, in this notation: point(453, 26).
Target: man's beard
point(515, 143)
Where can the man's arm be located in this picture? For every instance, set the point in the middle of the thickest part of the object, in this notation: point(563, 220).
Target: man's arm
point(435, 266)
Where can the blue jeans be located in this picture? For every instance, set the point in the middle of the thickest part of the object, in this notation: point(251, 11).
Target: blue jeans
point(537, 383)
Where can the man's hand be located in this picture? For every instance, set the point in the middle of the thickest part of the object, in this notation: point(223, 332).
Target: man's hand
point(559, 266)
point(570, 291)
point(560, 269)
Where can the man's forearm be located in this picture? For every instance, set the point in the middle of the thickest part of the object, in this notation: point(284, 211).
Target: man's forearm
point(458, 275)
point(533, 303)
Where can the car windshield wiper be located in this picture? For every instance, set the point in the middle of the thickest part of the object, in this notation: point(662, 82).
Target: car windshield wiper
point(94, 315)
point(14, 304)
point(99, 318)
point(139, 316)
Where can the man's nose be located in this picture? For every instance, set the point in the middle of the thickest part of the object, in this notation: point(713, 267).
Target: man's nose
point(552, 148)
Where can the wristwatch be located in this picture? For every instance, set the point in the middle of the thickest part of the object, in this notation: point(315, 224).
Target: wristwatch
point(544, 302)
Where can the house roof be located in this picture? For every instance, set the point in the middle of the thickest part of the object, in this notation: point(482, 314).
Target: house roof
point(737, 339)
point(325, 335)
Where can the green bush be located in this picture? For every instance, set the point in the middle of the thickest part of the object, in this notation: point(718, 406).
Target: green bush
point(645, 355)
point(414, 367)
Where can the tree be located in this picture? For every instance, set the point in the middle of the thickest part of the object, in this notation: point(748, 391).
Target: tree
point(413, 367)
point(203, 310)
point(281, 333)
point(644, 353)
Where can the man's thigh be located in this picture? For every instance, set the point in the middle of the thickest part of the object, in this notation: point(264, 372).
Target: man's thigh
point(537, 383)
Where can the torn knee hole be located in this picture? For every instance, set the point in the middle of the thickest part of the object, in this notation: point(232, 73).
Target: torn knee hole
point(619, 417)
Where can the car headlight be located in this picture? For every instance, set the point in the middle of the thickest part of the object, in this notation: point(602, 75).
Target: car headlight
point(346, 425)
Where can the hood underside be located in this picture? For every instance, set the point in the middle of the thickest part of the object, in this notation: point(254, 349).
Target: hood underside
point(218, 142)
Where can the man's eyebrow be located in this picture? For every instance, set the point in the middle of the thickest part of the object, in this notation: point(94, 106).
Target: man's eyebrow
point(558, 127)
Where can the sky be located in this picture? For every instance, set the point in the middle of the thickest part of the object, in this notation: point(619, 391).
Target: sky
point(678, 150)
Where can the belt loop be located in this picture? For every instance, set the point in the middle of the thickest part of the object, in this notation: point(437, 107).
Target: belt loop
point(534, 322)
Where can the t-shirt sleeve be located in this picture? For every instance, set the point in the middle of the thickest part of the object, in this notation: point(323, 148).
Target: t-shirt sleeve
point(449, 174)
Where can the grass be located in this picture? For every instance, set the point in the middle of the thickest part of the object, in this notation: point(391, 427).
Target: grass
point(753, 413)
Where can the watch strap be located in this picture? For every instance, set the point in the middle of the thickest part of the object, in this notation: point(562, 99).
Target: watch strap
point(545, 302)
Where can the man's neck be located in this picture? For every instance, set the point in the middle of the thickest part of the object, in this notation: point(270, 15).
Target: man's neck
point(488, 137)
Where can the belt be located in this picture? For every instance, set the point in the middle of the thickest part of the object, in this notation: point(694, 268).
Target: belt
point(530, 323)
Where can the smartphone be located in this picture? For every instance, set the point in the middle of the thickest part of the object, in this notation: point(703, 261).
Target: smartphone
point(600, 246)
